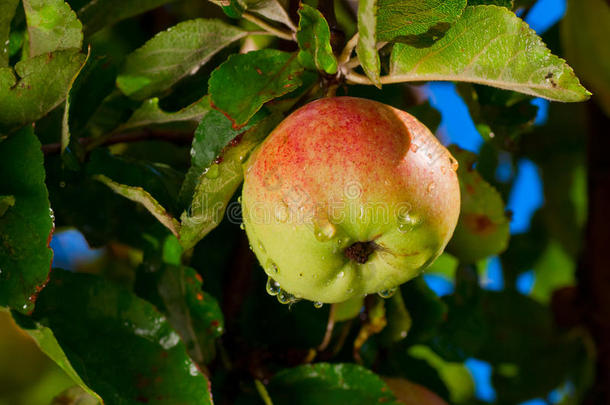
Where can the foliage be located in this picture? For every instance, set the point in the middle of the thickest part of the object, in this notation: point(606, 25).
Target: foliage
point(131, 121)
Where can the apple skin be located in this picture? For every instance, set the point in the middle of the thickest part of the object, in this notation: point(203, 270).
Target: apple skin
point(345, 170)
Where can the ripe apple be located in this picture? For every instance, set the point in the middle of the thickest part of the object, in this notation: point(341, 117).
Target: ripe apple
point(348, 197)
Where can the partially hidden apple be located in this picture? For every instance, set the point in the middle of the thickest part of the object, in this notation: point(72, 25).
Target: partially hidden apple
point(348, 197)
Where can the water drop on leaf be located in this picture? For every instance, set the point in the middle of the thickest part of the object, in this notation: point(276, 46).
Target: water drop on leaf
point(272, 287)
point(387, 293)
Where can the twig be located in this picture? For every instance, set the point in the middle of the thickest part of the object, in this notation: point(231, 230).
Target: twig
point(262, 391)
point(329, 328)
point(347, 51)
point(356, 78)
point(174, 137)
point(278, 32)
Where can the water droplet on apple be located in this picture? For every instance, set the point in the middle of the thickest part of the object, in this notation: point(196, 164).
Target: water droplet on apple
point(406, 222)
point(272, 267)
point(387, 293)
point(431, 186)
point(414, 147)
point(281, 213)
point(341, 274)
point(454, 164)
point(242, 226)
point(318, 304)
point(212, 172)
point(284, 297)
point(350, 290)
point(261, 247)
point(239, 199)
point(324, 230)
point(443, 169)
point(272, 287)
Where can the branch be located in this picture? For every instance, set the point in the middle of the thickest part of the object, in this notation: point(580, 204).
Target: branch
point(278, 32)
point(180, 138)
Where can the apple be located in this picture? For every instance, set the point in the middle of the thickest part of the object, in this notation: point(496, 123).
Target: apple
point(348, 197)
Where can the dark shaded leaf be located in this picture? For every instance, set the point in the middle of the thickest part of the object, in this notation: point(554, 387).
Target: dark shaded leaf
point(25, 257)
point(52, 26)
point(7, 11)
point(150, 114)
point(134, 356)
point(336, 384)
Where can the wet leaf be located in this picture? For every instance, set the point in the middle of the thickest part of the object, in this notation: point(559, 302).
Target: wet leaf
point(264, 75)
point(313, 37)
point(367, 40)
point(7, 12)
point(27, 223)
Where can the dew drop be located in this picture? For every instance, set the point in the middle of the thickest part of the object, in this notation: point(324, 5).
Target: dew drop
point(281, 213)
point(324, 230)
point(443, 170)
point(212, 172)
point(239, 199)
point(431, 186)
point(242, 226)
point(387, 293)
point(272, 287)
point(414, 147)
point(271, 267)
point(261, 247)
point(341, 274)
point(318, 304)
point(284, 297)
point(454, 164)
point(406, 222)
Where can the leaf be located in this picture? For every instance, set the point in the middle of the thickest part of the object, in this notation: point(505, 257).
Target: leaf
point(129, 332)
point(52, 26)
point(483, 227)
point(149, 113)
point(75, 396)
point(324, 383)
point(176, 291)
point(313, 37)
point(398, 318)
point(232, 8)
point(271, 9)
point(367, 40)
point(43, 84)
point(408, 21)
point(173, 54)
point(409, 393)
point(97, 14)
point(263, 75)
point(93, 82)
point(216, 185)
point(585, 22)
point(7, 11)
point(6, 202)
point(141, 196)
point(503, 3)
point(25, 257)
point(346, 310)
point(554, 269)
point(47, 343)
point(490, 45)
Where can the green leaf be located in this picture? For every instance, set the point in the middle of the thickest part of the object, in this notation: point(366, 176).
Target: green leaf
point(47, 343)
point(93, 82)
point(43, 83)
point(6, 202)
point(75, 396)
point(553, 270)
point(52, 26)
point(271, 9)
point(503, 3)
point(585, 22)
point(398, 318)
point(324, 383)
point(143, 197)
point(173, 54)
point(217, 184)
point(149, 113)
point(367, 40)
point(176, 291)
point(154, 366)
point(313, 37)
point(483, 227)
point(490, 45)
point(408, 21)
point(100, 13)
point(232, 8)
point(263, 75)
point(25, 257)
point(7, 11)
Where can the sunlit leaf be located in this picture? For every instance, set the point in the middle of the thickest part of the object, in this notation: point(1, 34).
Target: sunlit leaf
point(52, 26)
point(414, 21)
point(173, 54)
point(490, 45)
point(263, 75)
point(367, 40)
point(27, 223)
point(41, 84)
point(314, 40)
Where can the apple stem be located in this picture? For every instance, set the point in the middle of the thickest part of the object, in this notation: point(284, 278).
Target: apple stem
point(360, 251)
